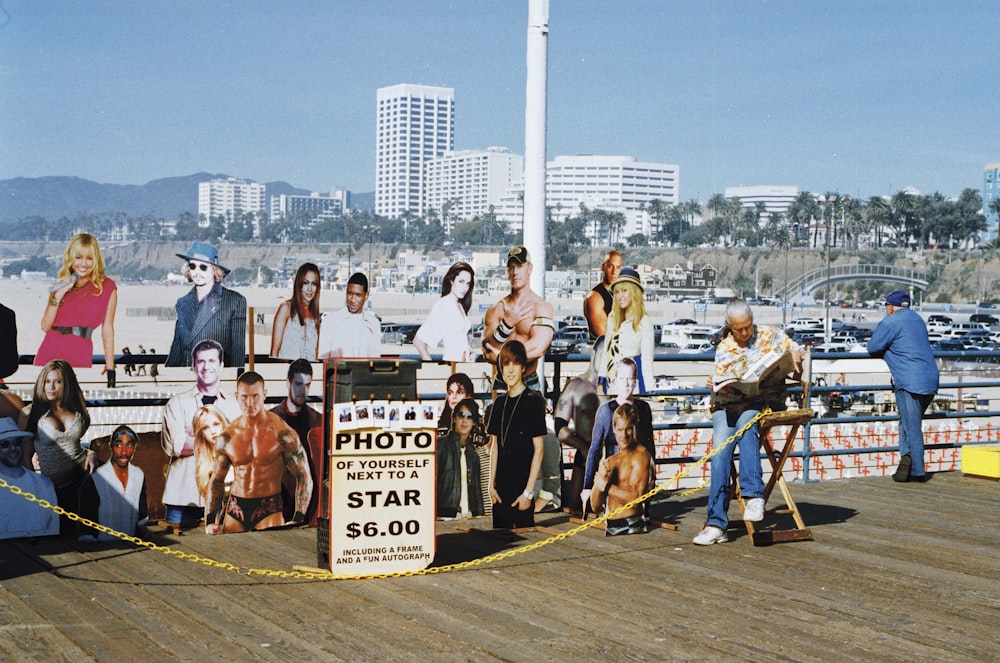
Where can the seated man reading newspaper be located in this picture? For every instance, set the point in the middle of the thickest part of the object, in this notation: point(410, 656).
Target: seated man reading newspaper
point(751, 363)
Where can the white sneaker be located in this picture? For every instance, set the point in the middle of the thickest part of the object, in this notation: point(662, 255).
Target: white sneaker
point(711, 534)
point(754, 511)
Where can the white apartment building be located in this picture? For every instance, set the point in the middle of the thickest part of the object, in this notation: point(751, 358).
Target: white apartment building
point(471, 181)
point(775, 198)
point(224, 197)
point(315, 204)
point(414, 124)
point(612, 183)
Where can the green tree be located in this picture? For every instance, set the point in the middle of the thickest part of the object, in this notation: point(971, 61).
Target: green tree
point(636, 240)
point(878, 214)
point(801, 214)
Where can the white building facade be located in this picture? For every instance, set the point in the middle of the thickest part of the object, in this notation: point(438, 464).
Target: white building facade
point(467, 182)
point(611, 183)
point(226, 197)
point(776, 199)
point(414, 124)
point(315, 204)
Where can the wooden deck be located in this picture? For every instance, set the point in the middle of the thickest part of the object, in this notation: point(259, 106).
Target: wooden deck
point(907, 572)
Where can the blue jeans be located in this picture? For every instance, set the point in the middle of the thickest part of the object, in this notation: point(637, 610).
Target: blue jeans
point(911, 433)
point(724, 424)
point(187, 516)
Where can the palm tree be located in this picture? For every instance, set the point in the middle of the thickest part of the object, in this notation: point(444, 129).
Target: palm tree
point(616, 222)
point(994, 206)
point(715, 205)
point(657, 213)
point(878, 214)
point(692, 209)
point(801, 213)
point(904, 216)
point(853, 222)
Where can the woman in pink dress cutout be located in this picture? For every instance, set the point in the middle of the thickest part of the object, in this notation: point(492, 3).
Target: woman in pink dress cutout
point(85, 300)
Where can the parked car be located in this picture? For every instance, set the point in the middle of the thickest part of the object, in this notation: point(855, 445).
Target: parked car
point(476, 335)
point(937, 317)
point(806, 339)
point(939, 326)
point(573, 321)
point(682, 321)
point(697, 348)
point(984, 318)
point(390, 332)
point(831, 347)
point(566, 340)
point(799, 324)
point(407, 332)
point(962, 328)
point(947, 345)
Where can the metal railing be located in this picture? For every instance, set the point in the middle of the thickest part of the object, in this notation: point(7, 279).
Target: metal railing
point(144, 409)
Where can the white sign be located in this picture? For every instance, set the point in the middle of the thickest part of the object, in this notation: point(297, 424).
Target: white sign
point(382, 500)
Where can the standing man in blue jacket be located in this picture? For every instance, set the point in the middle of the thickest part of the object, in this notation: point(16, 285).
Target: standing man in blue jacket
point(901, 340)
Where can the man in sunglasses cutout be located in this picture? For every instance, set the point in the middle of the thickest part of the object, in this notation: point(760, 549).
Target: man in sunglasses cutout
point(209, 311)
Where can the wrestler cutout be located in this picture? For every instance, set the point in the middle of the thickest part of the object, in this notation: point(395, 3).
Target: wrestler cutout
point(623, 477)
point(259, 446)
point(520, 316)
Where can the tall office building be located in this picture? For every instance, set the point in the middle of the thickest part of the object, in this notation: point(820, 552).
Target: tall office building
point(226, 197)
point(414, 124)
point(991, 191)
point(468, 182)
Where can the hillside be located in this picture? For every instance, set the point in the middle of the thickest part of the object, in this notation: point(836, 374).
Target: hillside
point(57, 197)
point(955, 278)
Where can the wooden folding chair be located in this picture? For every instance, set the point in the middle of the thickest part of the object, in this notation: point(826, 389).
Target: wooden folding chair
point(793, 419)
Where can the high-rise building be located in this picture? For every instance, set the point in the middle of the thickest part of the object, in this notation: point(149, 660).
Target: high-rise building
point(414, 124)
point(611, 183)
point(991, 191)
point(467, 182)
point(775, 198)
point(228, 197)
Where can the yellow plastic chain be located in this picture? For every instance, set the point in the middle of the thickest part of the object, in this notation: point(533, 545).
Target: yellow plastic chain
point(313, 575)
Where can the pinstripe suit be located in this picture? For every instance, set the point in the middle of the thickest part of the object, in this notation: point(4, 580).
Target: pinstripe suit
point(222, 316)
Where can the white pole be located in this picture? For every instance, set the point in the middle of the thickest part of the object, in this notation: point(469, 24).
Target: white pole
point(534, 140)
point(533, 226)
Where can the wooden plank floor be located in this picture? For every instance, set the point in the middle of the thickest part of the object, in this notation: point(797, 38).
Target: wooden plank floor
point(896, 572)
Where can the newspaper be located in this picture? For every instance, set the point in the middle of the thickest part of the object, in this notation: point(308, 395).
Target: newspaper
point(767, 370)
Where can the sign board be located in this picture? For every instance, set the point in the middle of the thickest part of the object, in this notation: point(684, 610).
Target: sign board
point(700, 307)
point(382, 499)
point(788, 306)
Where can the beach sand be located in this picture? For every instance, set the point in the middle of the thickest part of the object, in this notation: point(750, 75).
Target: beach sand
point(145, 316)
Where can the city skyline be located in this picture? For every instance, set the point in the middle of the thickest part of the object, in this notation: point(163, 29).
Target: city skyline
point(860, 98)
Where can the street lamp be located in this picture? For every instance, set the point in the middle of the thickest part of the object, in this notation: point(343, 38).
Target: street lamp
point(372, 231)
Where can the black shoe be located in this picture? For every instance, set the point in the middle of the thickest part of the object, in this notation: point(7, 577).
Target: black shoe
point(903, 471)
point(919, 479)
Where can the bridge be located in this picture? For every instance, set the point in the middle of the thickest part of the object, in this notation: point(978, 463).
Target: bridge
point(816, 278)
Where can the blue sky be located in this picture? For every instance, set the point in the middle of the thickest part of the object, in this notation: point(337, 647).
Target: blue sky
point(860, 97)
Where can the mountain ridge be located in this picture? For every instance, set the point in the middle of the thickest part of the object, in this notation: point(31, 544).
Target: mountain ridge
point(57, 196)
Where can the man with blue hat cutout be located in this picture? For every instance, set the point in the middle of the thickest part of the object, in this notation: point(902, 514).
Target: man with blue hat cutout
point(208, 311)
point(19, 517)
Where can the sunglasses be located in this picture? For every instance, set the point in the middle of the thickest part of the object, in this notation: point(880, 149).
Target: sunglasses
point(464, 415)
point(8, 444)
point(202, 266)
